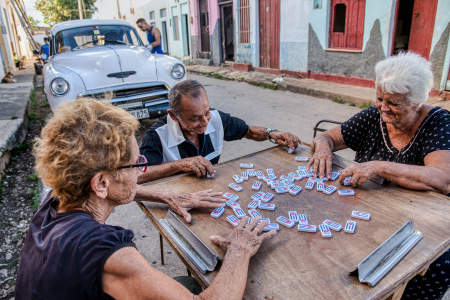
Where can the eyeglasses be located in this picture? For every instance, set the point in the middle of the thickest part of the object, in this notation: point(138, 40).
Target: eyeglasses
point(141, 164)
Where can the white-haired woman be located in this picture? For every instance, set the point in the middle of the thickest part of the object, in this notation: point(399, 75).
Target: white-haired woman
point(400, 139)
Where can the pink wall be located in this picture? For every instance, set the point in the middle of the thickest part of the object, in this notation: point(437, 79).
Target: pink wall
point(214, 15)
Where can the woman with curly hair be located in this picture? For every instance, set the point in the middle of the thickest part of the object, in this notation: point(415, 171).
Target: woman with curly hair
point(88, 155)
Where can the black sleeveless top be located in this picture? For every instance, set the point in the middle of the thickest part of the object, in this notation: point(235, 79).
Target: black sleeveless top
point(64, 254)
point(366, 134)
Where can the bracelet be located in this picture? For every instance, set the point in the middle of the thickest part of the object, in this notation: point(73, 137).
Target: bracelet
point(268, 131)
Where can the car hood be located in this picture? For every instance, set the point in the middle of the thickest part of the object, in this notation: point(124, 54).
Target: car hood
point(105, 66)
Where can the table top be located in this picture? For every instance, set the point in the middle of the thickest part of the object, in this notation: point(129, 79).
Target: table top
point(296, 263)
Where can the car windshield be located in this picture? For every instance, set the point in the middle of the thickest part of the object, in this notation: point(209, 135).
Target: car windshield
point(94, 36)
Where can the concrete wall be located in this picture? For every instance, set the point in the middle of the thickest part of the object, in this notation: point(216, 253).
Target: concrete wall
point(440, 45)
point(215, 55)
point(294, 19)
point(377, 26)
point(377, 42)
point(247, 53)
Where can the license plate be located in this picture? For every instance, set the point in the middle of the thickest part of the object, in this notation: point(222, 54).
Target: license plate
point(140, 113)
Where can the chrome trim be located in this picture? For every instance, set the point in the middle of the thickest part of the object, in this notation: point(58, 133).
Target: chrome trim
point(156, 102)
point(123, 87)
point(139, 96)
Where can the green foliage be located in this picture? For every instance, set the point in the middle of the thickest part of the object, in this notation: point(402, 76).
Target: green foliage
point(338, 100)
point(364, 106)
point(56, 11)
point(36, 194)
point(33, 21)
point(34, 177)
point(351, 104)
point(13, 117)
point(217, 76)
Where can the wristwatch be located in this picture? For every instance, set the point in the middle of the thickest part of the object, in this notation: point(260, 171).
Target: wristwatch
point(268, 131)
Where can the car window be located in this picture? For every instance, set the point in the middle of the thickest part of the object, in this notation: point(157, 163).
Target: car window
point(94, 36)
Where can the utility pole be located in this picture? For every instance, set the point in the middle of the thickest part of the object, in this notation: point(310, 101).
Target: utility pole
point(118, 9)
point(80, 9)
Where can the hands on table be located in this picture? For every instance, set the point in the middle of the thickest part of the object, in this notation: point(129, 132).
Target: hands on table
point(321, 164)
point(181, 203)
point(245, 239)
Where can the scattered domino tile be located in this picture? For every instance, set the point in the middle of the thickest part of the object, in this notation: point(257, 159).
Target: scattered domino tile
point(310, 184)
point(238, 179)
point(325, 231)
point(350, 226)
point(267, 206)
point(246, 166)
point(256, 185)
point(348, 180)
point(233, 220)
point(285, 222)
point(253, 204)
point(239, 212)
point(254, 213)
point(330, 189)
point(235, 187)
point(361, 215)
point(295, 190)
point(307, 228)
point(244, 175)
point(333, 225)
point(293, 216)
point(267, 197)
point(347, 192)
point(302, 219)
point(302, 158)
point(272, 226)
point(217, 212)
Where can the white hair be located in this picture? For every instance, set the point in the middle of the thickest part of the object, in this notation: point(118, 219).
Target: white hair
point(406, 73)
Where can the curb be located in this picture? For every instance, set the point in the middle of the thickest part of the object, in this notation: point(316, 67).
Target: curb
point(358, 101)
point(17, 134)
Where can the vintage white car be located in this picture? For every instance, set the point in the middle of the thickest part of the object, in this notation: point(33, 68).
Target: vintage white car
point(106, 60)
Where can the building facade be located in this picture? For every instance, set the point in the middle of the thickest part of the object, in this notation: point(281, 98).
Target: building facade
point(171, 17)
point(340, 40)
point(13, 40)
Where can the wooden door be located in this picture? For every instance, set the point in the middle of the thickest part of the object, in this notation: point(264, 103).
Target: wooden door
point(422, 26)
point(269, 33)
point(346, 24)
point(226, 18)
point(204, 26)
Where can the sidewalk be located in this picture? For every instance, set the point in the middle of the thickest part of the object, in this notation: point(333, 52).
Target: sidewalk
point(13, 120)
point(340, 93)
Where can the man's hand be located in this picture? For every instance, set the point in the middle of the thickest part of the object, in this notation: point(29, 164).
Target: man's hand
point(181, 203)
point(197, 164)
point(246, 240)
point(286, 139)
point(361, 172)
point(321, 160)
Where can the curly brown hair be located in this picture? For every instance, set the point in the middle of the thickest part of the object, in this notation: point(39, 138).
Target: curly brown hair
point(82, 138)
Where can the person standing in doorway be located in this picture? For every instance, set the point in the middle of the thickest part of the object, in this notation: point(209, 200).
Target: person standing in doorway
point(153, 35)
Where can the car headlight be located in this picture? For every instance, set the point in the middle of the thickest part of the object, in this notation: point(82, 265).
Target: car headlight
point(59, 86)
point(177, 71)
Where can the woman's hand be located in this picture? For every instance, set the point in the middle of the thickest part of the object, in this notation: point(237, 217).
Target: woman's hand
point(321, 159)
point(361, 172)
point(246, 240)
point(181, 203)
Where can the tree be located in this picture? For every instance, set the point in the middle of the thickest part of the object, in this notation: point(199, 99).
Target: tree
point(33, 21)
point(56, 11)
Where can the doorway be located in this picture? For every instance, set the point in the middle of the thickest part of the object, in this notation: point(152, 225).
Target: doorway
point(226, 20)
point(185, 33)
point(269, 33)
point(165, 44)
point(204, 26)
point(414, 25)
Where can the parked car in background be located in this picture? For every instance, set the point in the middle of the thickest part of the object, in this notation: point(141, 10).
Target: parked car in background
point(106, 60)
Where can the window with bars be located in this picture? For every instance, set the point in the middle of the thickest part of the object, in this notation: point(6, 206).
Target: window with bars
point(244, 21)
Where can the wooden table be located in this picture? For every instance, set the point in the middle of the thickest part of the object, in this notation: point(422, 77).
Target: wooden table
point(297, 265)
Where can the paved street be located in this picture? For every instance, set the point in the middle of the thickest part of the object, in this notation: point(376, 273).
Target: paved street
point(257, 106)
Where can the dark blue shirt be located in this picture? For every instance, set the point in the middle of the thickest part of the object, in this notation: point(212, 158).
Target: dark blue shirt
point(233, 129)
point(64, 254)
point(151, 39)
point(46, 49)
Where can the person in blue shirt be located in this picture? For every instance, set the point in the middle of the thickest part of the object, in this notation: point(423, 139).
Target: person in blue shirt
point(45, 49)
point(153, 35)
